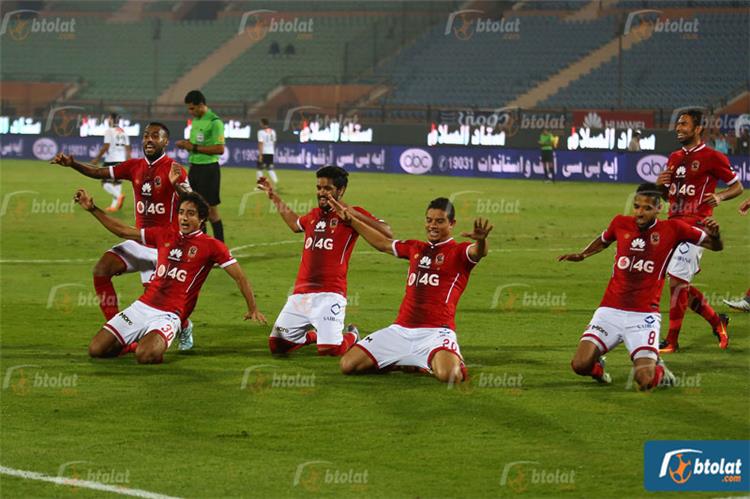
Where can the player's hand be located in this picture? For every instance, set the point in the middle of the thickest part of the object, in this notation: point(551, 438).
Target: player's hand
point(84, 199)
point(664, 178)
point(183, 144)
point(341, 210)
point(256, 316)
point(63, 160)
point(265, 186)
point(711, 199)
point(175, 172)
point(571, 257)
point(744, 207)
point(482, 229)
point(711, 227)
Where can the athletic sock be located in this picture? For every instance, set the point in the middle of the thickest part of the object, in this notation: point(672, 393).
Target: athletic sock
point(658, 375)
point(258, 173)
point(597, 371)
point(677, 307)
point(699, 305)
point(218, 229)
point(349, 340)
point(105, 292)
point(272, 174)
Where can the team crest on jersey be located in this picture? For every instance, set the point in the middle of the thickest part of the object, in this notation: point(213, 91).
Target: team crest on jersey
point(334, 223)
point(638, 244)
point(320, 226)
point(193, 251)
point(199, 137)
point(695, 165)
point(680, 172)
point(157, 181)
point(425, 262)
point(175, 254)
point(655, 238)
point(440, 259)
point(146, 189)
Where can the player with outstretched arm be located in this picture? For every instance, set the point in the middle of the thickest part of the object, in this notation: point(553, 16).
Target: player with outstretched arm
point(629, 311)
point(423, 335)
point(316, 309)
point(185, 257)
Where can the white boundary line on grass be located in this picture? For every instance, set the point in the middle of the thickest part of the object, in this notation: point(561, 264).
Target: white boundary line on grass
point(86, 484)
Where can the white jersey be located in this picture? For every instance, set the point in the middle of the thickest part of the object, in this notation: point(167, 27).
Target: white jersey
point(267, 136)
point(117, 140)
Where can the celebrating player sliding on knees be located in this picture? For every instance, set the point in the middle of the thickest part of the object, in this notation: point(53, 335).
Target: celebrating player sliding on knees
point(423, 335)
point(315, 311)
point(629, 311)
point(185, 257)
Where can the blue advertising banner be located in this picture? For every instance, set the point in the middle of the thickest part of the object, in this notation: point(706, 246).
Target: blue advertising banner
point(707, 465)
point(490, 162)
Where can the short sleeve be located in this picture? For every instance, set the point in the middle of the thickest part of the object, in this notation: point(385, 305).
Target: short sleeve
point(464, 250)
point(122, 171)
point(183, 180)
point(366, 213)
point(218, 131)
point(689, 233)
point(304, 220)
point(260, 135)
point(221, 255)
point(108, 136)
point(609, 235)
point(127, 139)
point(723, 170)
point(402, 249)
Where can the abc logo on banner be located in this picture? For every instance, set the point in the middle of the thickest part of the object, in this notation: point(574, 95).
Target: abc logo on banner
point(44, 149)
point(649, 167)
point(416, 161)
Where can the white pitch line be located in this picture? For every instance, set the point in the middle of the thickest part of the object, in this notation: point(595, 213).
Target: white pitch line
point(86, 484)
point(256, 245)
point(68, 260)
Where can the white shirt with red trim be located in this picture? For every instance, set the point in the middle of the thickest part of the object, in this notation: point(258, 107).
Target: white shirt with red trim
point(641, 260)
point(438, 275)
point(183, 264)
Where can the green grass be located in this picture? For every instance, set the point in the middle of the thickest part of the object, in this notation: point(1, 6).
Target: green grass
point(186, 428)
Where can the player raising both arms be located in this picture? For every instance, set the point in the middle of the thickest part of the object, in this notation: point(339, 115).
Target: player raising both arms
point(690, 180)
point(185, 257)
point(315, 311)
point(423, 335)
point(156, 196)
point(629, 311)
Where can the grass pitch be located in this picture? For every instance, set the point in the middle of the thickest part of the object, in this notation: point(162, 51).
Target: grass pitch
point(227, 419)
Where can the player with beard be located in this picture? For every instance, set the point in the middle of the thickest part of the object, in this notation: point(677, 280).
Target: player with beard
point(689, 183)
point(315, 311)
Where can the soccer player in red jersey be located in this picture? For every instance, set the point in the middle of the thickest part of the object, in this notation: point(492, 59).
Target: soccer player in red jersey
point(689, 181)
point(423, 335)
point(185, 257)
point(315, 311)
point(156, 199)
point(629, 311)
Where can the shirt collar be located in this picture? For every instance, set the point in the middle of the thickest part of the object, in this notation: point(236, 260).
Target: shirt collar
point(694, 149)
point(156, 161)
point(195, 233)
point(435, 245)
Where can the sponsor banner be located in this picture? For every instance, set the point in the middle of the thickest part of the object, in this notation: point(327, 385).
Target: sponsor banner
point(490, 162)
point(597, 119)
point(705, 465)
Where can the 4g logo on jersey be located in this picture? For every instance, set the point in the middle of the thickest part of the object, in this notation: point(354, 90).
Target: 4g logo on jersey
point(172, 273)
point(423, 278)
point(150, 209)
point(635, 264)
point(325, 243)
point(684, 190)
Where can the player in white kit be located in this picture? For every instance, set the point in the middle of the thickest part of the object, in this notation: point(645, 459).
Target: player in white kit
point(266, 150)
point(115, 149)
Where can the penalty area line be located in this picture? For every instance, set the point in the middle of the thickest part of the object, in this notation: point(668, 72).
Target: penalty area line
point(85, 484)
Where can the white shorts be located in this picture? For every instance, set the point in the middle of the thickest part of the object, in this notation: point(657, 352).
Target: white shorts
point(137, 258)
point(324, 311)
point(138, 319)
point(638, 330)
point(401, 346)
point(685, 261)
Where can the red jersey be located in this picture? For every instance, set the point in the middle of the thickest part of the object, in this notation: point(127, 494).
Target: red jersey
point(641, 261)
point(438, 274)
point(695, 172)
point(156, 201)
point(329, 243)
point(182, 266)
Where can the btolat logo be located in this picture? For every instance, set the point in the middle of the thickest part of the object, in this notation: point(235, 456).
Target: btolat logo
point(682, 464)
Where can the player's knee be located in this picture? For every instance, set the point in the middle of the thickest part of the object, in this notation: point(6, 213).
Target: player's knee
point(449, 374)
point(327, 350)
point(145, 356)
point(644, 376)
point(582, 367)
point(348, 365)
point(96, 350)
point(277, 346)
